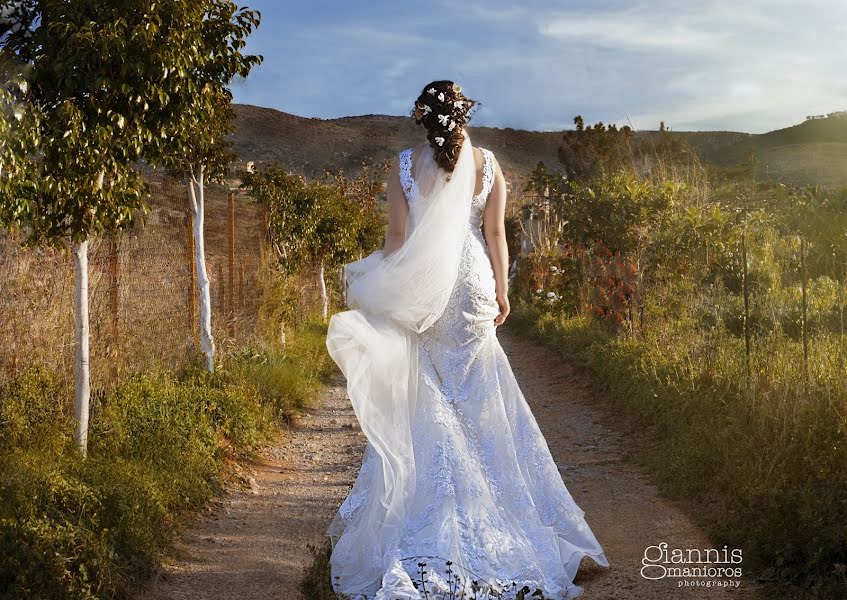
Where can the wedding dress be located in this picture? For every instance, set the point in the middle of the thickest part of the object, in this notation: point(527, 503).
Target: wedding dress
point(455, 467)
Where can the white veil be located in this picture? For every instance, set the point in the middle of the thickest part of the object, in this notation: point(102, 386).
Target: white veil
point(392, 299)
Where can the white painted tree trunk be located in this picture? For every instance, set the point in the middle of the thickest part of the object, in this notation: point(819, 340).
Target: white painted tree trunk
point(194, 182)
point(82, 375)
point(342, 285)
point(324, 299)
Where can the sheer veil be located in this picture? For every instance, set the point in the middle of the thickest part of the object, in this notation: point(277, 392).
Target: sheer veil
point(392, 299)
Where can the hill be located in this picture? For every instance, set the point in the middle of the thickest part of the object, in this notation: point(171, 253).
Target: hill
point(812, 152)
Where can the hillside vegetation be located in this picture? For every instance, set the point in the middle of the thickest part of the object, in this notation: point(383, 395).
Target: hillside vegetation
point(808, 153)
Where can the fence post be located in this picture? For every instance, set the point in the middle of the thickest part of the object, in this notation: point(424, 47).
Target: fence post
point(241, 287)
point(221, 291)
point(14, 342)
point(231, 291)
point(746, 294)
point(805, 321)
point(113, 301)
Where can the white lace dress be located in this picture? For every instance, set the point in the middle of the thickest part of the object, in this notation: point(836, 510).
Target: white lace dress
point(489, 497)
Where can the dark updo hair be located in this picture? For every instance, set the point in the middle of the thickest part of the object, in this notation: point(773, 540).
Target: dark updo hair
point(456, 106)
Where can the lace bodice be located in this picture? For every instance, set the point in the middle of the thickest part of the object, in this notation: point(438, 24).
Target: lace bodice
point(410, 186)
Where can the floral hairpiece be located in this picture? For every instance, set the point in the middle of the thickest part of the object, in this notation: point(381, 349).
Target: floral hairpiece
point(439, 140)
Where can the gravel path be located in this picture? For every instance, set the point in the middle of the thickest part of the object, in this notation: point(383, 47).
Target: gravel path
point(252, 543)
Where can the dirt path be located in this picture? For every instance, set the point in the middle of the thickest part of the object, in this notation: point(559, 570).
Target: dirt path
point(252, 544)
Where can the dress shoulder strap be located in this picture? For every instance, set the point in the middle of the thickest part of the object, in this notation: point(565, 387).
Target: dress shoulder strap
point(406, 173)
point(487, 172)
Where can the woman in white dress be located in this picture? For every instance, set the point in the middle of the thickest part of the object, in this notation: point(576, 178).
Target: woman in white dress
point(456, 474)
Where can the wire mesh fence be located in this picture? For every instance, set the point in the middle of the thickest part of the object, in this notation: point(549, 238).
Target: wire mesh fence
point(142, 291)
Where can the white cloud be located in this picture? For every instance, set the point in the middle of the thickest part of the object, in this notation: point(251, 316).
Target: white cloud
point(752, 65)
point(714, 62)
point(624, 31)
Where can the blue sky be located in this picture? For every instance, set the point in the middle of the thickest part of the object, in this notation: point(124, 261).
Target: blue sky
point(747, 65)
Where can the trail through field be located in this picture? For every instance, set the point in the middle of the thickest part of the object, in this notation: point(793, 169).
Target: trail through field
point(252, 544)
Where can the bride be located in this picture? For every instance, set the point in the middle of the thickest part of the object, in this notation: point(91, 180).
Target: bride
point(457, 489)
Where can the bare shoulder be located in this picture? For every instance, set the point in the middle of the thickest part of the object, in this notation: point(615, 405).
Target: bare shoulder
point(479, 156)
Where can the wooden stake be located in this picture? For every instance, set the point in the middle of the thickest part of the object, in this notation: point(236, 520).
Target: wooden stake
point(231, 291)
point(113, 301)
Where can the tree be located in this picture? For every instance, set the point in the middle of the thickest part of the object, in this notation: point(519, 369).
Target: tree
point(324, 223)
point(586, 151)
point(100, 77)
point(213, 37)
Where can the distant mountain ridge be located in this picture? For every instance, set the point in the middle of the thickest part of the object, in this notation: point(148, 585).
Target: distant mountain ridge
point(814, 151)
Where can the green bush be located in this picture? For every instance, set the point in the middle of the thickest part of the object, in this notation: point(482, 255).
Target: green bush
point(46, 559)
point(96, 527)
point(770, 474)
point(287, 381)
point(33, 412)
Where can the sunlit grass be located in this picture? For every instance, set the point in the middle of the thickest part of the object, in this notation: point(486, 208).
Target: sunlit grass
point(759, 464)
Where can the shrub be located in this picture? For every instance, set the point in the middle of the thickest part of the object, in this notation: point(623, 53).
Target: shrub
point(94, 528)
point(34, 412)
point(770, 472)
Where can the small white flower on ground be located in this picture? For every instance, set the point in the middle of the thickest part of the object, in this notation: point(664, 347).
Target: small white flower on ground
point(551, 295)
point(538, 291)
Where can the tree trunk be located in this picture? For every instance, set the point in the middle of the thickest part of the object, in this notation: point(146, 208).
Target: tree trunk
point(82, 375)
point(197, 204)
point(324, 299)
point(342, 285)
point(82, 369)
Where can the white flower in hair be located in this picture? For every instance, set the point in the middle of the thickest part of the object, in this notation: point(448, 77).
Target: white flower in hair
point(459, 103)
point(432, 91)
point(427, 109)
point(443, 119)
point(441, 97)
point(452, 126)
point(439, 140)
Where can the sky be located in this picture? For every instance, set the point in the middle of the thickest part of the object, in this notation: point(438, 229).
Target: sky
point(742, 65)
